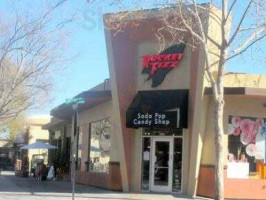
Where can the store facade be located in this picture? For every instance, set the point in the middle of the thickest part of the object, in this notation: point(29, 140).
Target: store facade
point(158, 156)
point(163, 116)
point(151, 129)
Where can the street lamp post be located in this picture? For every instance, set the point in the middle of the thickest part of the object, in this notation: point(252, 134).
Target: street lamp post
point(74, 147)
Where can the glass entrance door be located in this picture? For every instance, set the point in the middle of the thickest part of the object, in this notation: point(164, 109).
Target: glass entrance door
point(162, 165)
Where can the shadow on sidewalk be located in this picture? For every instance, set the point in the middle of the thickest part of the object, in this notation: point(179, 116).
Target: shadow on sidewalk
point(21, 186)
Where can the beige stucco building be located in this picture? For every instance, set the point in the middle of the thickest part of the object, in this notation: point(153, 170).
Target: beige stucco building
point(150, 128)
point(36, 133)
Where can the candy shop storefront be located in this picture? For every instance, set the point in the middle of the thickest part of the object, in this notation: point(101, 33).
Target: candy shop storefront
point(163, 119)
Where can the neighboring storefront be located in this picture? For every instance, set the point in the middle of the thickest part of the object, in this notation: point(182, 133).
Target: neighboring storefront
point(26, 159)
point(37, 134)
point(98, 161)
point(152, 129)
point(244, 122)
point(60, 136)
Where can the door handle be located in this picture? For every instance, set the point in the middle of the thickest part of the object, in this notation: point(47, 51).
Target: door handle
point(171, 158)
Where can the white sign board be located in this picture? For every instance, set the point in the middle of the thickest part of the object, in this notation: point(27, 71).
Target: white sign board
point(238, 170)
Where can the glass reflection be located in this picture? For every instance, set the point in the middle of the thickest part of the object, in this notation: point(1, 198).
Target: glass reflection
point(161, 167)
point(177, 166)
point(161, 176)
point(145, 178)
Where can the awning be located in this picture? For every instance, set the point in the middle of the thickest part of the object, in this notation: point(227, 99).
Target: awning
point(158, 109)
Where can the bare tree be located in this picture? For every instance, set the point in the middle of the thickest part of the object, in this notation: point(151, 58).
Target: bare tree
point(13, 128)
point(239, 26)
point(31, 46)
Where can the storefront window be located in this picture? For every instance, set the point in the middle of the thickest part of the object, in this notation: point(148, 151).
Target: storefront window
point(100, 145)
point(177, 172)
point(146, 149)
point(246, 147)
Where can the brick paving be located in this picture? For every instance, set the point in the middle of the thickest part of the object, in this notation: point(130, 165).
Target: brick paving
point(19, 188)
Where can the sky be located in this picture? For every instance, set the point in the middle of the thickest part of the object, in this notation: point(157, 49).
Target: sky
point(89, 66)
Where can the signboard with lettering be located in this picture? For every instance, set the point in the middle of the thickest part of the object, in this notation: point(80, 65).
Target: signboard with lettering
point(157, 66)
point(166, 119)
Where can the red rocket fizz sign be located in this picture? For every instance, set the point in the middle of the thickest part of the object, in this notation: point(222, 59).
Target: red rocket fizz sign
point(157, 66)
point(161, 61)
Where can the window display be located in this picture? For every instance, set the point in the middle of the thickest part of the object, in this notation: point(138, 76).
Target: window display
point(177, 165)
point(100, 144)
point(246, 144)
point(146, 149)
point(81, 130)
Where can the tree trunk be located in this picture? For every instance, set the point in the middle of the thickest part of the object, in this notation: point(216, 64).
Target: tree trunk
point(218, 141)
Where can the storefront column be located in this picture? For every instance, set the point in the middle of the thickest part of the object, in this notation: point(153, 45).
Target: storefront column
point(121, 58)
point(198, 106)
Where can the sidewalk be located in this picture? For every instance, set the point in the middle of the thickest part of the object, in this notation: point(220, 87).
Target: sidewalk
point(14, 188)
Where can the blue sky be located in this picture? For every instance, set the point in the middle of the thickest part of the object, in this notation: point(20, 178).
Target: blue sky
point(90, 66)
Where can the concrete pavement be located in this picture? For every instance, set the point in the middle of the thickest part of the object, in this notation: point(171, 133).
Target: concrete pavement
point(19, 188)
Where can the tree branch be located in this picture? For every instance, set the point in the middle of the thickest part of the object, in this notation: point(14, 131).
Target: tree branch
point(243, 49)
point(240, 23)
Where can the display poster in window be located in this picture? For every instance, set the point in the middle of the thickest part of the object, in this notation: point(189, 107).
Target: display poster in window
point(100, 144)
point(246, 144)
